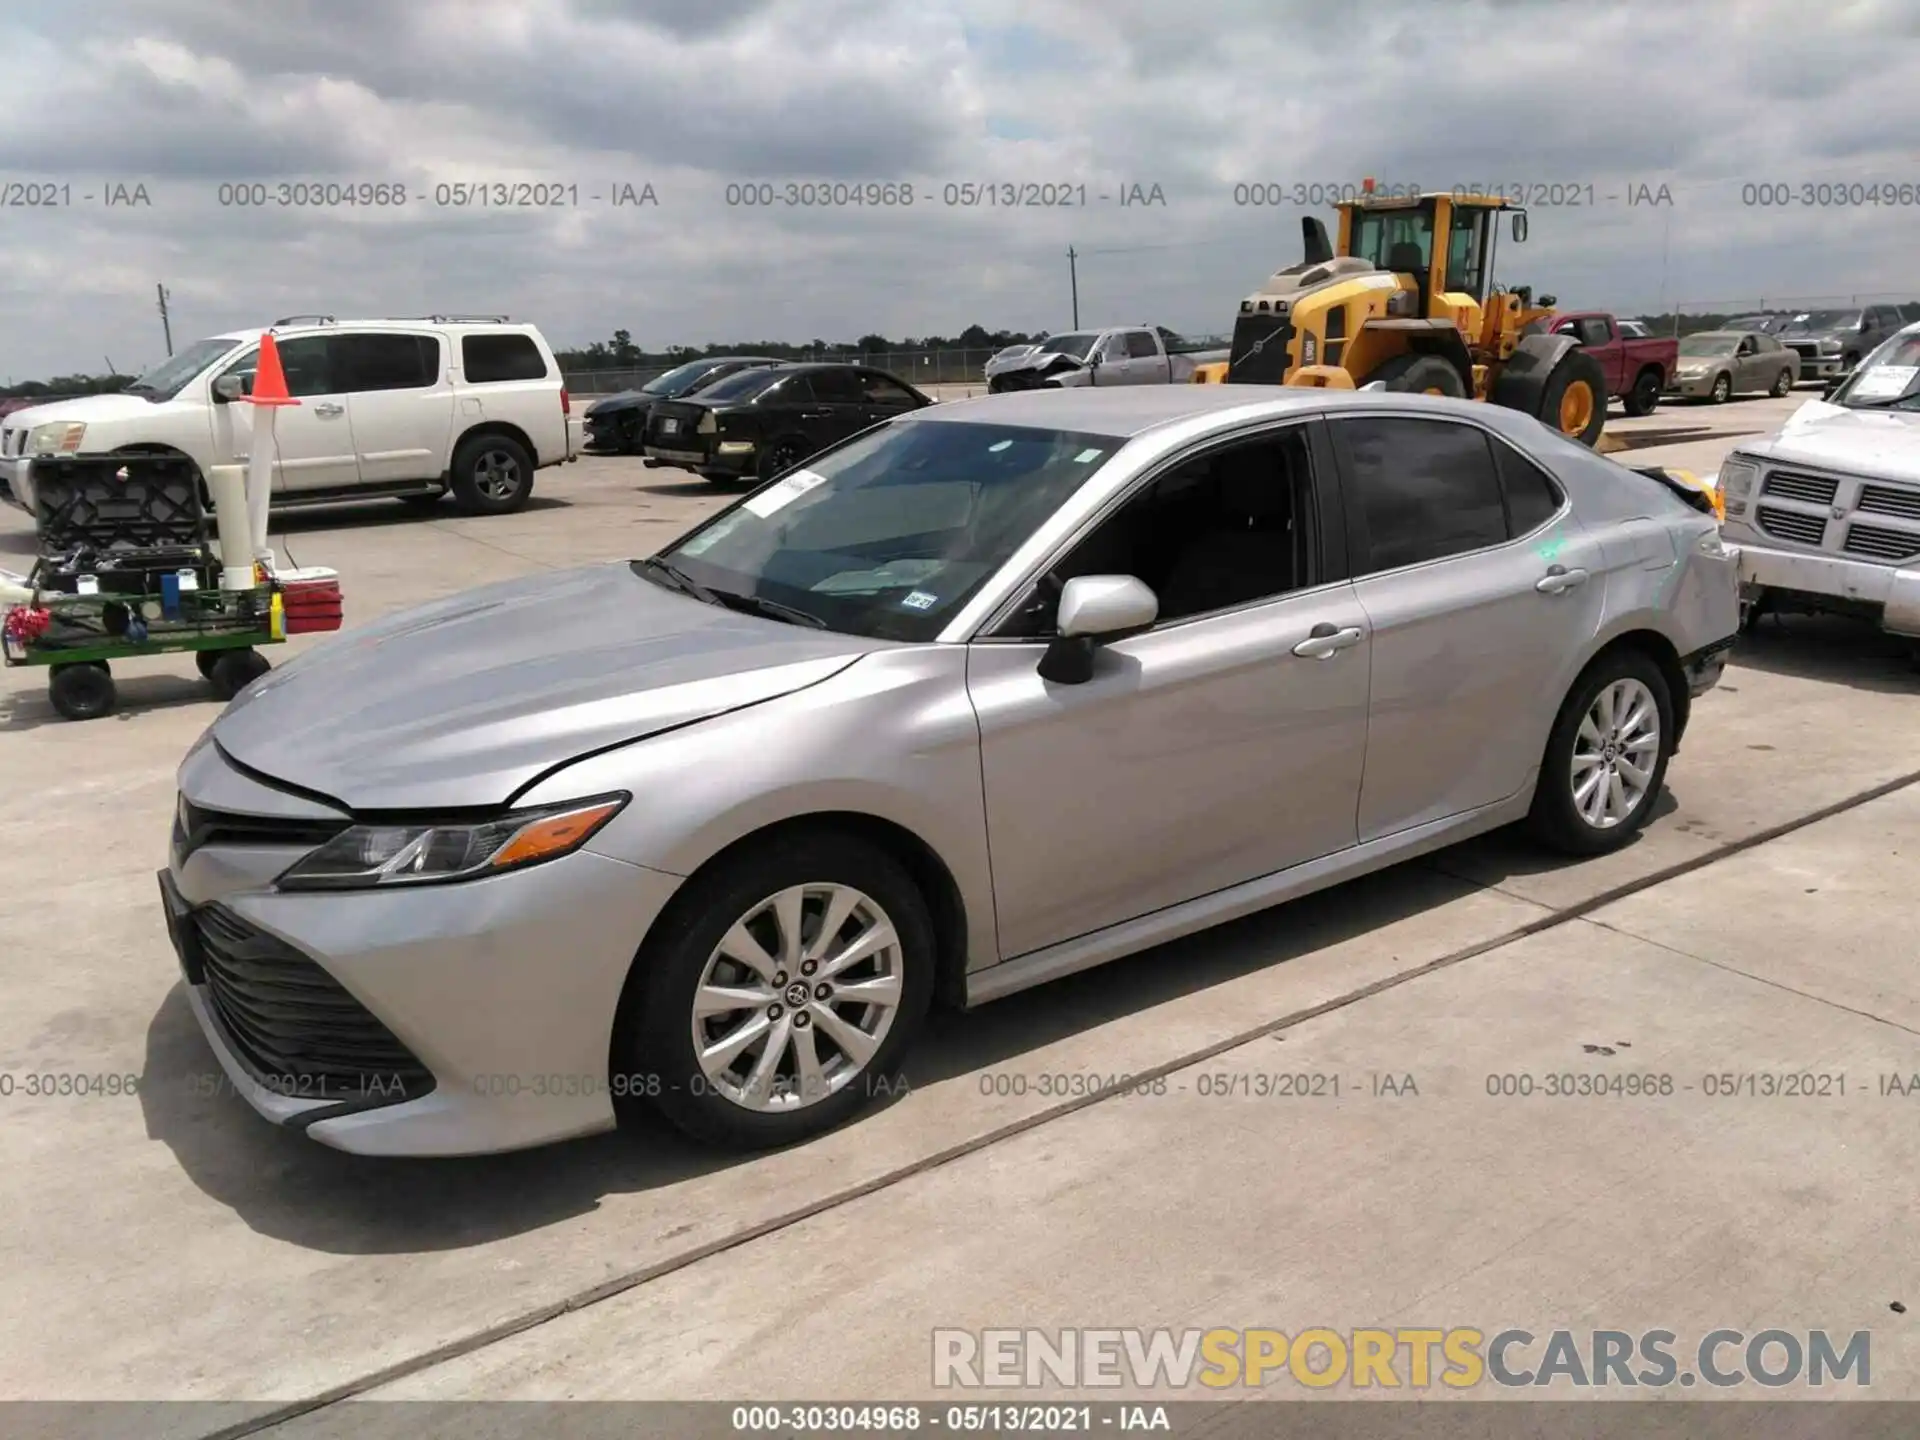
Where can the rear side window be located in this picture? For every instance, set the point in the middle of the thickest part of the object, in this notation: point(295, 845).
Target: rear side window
point(386, 362)
point(487, 358)
point(1532, 497)
point(1423, 490)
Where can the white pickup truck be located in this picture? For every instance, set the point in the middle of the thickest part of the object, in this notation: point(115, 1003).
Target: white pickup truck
point(1120, 355)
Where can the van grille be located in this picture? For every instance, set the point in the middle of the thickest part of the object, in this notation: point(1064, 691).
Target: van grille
point(1792, 525)
point(1878, 543)
point(1885, 500)
point(1812, 489)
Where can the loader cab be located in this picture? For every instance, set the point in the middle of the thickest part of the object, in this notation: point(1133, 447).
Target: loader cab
point(1397, 236)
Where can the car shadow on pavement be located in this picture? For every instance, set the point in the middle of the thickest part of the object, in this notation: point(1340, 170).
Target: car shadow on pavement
point(1834, 649)
point(295, 1189)
point(19, 542)
point(1510, 853)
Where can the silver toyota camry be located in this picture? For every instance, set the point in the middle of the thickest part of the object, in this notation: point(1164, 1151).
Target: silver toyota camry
point(979, 698)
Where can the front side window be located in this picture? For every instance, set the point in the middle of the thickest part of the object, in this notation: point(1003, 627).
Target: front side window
point(306, 360)
point(1230, 527)
point(1399, 240)
point(1423, 489)
point(890, 534)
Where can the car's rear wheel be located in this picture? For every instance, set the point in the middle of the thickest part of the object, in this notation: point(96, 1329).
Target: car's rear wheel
point(1644, 395)
point(1606, 757)
point(782, 456)
point(492, 475)
point(779, 993)
point(1783, 385)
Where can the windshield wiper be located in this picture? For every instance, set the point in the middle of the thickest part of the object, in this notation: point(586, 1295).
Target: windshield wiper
point(677, 579)
point(768, 609)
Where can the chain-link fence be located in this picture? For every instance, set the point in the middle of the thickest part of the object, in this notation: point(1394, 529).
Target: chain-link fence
point(916, 367)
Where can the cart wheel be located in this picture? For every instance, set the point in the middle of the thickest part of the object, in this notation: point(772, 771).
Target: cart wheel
point(83, 691)
point(205, 660)
point(234, 670)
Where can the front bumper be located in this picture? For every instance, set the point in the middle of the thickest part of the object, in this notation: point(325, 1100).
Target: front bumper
point(1704, 667)
point(502, 991)
point(16, 484)
point(1891, 590)
point(1691, 387)
point(1822, 367)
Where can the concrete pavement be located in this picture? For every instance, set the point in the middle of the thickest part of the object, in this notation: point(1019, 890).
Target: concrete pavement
point(173, 1245)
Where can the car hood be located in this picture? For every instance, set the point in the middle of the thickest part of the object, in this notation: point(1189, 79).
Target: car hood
point(1035, 359)
point(467, 701)
point(87, 408)
point(1880, 442)
point(624, 400)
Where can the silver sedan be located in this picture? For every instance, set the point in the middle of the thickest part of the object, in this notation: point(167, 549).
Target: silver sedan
point(984, 696)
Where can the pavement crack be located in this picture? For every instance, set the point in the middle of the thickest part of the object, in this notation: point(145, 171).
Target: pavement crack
point(1765, 980)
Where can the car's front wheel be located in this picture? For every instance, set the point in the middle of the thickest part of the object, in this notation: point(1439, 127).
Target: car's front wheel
point(1722, 389)
point(779, 993)
point(1783, 384)
point(1606, 757)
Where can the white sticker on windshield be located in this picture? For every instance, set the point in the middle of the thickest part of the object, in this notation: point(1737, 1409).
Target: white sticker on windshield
point(996, 449)
point(783, 493)
point(1885, 380)
point(1085, 455)
point(920, 600)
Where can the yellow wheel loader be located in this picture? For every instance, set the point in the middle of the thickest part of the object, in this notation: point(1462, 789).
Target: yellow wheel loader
point(1407, 301)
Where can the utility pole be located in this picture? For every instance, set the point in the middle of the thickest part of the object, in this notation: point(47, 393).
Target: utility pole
point(1073, 279)
point(166, 325)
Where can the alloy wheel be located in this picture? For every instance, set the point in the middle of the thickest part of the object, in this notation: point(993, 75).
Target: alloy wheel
point(496, 474)
point(797, 997)
point(1615, 753)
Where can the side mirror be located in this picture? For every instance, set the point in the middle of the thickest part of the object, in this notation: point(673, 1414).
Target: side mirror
point(229, 387)
point(1519, 225)
point(1093, 608)
point(1549, 300)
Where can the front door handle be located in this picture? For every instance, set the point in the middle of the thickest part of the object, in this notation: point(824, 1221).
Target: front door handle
point(1559, 579)
point(1325, 641)
point(329, 409)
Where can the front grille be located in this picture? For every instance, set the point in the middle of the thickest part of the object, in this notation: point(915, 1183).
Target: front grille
point(297, 1029)
point(1791, 525)
point(1876, 542)
point(1885, 500)
point(1805, 349)
point(1789, 485)
point(194, 827)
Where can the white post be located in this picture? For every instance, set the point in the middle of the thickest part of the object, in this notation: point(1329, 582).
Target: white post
point(235, 525)
point(260, 481)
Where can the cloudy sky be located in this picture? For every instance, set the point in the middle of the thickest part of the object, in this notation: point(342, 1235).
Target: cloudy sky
point(206, 103)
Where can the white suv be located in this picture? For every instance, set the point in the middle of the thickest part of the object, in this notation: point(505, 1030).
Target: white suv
point(412, 408)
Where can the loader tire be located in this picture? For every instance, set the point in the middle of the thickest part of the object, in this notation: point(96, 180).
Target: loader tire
point(1574, 399)
point(1420, 375)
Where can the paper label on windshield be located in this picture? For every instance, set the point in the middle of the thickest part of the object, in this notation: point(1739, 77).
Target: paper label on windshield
point(783, 493)
point(1885, 380)
point(920, 600)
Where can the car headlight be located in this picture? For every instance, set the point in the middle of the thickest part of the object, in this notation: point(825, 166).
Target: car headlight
point(1736, 478)
point(1829, 347)
point(364, 857)
point(57, 437)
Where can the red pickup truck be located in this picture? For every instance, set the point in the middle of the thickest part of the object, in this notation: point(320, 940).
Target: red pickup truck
point(1637, 366)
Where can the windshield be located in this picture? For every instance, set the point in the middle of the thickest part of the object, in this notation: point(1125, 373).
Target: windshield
point(1766, 323)
point(893, 532)
point(165, 381)
point(1887, 379)
point(1824, 320)
point(678, 380)
point(1075, 346)
point(743, 384)
point(1708, 345)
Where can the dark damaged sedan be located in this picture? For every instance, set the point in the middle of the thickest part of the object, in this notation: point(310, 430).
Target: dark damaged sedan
point(762, 423)
point(618, 423)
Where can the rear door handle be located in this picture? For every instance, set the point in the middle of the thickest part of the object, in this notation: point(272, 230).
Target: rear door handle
point(1559, 579)
point(1325, 641)
point(328, 409)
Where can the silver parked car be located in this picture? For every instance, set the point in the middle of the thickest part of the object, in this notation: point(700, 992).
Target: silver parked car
point(1716, 365)
point(989, 694)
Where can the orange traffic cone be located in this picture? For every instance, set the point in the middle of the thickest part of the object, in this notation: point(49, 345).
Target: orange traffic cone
point(269, 380)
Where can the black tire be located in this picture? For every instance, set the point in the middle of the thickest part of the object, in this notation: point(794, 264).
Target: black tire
point(492, 475)
point(629, 438)
point(234, 670)
point(422, 505)
point(654, 1041)
point(1722, 389)
point(1783, 386)
point(1752, 607)
point(1420, 375)
point(82, 690)
point(1555, 818)
point(205, 660)
point(1576, 368)
point(1645, 394)
point(783, 455)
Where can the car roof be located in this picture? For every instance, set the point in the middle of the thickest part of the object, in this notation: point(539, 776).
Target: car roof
point(416, 322)
point(1125, 410)
point(1715, 334)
